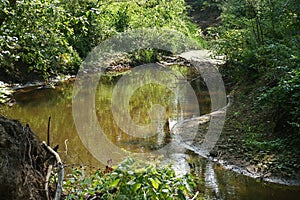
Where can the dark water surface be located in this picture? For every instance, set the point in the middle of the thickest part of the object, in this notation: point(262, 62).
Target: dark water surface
point(35, 105)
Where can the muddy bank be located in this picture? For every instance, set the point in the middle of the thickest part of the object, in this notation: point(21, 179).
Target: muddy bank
point(236, 149)
point(229, 154)
point(232, 153)
point(22, 158)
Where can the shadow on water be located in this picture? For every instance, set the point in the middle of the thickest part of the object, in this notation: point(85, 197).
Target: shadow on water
point(35, 105)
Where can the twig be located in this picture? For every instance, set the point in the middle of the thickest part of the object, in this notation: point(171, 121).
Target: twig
point(195, 195)
point(48, 132)
point(66, 146)
point(219, 155)
point(60, 171)
point(47, 181)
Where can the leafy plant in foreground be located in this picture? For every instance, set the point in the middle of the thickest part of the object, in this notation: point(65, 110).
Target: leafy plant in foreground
point(131, 180)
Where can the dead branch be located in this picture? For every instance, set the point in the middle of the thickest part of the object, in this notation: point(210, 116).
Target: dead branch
point(47, 181)
point(60, 171)
point(66, 147)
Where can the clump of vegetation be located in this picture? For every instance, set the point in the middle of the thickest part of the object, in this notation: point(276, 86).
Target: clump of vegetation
point(53, 36)
point(260, 42)
point(130, 180)
point(276, 155)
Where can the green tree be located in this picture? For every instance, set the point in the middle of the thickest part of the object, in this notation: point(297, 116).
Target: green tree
point(260, 40)
point(53, 36)
point(30, 38)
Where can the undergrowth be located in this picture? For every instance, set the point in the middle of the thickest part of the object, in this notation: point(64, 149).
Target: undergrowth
point(130, 180)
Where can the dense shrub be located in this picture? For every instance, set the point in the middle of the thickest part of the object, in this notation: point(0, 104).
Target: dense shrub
point(260, 40)
point(31, 34)
point(54, 36)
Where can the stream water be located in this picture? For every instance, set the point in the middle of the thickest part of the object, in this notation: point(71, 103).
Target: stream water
point(35, 105)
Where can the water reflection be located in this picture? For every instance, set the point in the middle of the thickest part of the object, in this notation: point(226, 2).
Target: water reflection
point(221, 184)
point(211, 179)
point(35, 106)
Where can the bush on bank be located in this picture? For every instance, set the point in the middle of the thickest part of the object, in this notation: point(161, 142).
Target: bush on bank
point(260, 40)
point(54, 36)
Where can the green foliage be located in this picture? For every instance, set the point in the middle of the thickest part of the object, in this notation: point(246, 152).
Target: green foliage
point(260, 41)
point(31, 34)
point(54, 36)
point(279, 155)
point(285, 96)
point(131, 180)
point(142, 56)
point(254, 33)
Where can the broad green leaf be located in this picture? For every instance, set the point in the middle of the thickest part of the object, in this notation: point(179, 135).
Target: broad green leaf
point(155, 182)
point(115, 183)
point(136, 187)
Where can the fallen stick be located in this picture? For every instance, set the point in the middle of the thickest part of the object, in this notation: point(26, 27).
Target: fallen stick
point(60, 171)
point(47, 181)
